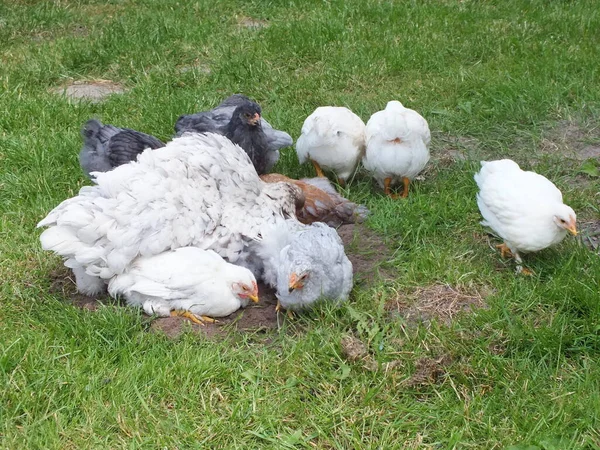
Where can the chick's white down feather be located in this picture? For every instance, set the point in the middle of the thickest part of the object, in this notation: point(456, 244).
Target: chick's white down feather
point(334, 137)
point(523, 208)
point(314, 250)
point(199, 190)
point(188, 278)
point(397, 143)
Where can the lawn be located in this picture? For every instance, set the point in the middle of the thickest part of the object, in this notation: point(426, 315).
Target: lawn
point(511, 78)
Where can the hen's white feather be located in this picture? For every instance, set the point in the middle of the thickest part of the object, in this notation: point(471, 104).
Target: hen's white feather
point(397, 143)
point(334, 137)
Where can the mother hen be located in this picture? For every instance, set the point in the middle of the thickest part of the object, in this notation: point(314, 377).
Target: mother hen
point(199, 190)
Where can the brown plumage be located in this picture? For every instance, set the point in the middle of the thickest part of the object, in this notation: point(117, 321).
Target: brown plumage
point(322, 203)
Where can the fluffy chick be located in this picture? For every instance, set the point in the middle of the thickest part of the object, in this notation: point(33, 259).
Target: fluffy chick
point(523, 208)
point(240, 119)
point(333, 138)
point(188, 281)
point(106, 147)
point(305, 263)
point(322, 203)
point(397, 146)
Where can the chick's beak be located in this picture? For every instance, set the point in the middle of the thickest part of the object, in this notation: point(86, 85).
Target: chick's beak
point(572, 227)
point(254, 295)
point(295, 283)
point(254, 119)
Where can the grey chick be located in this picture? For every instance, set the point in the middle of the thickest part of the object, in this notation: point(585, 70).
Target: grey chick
point(106, 147)
point(217, 119)
point(305, 263)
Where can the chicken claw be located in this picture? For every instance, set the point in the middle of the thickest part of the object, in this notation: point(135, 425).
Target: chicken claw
point(504, 251)
point(193, 317)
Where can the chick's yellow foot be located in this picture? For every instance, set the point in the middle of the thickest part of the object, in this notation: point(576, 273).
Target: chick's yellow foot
point(318, 169)
point(524, 271)
point(406, 183)
point(279, 308)
point(504, 251)
point(387, 189)
point(188, 315)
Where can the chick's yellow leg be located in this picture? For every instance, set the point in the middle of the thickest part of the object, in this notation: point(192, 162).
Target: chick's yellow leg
point(278, 307)
point(387, 189)
point(194, 318)
point(406, 182)
point(318, 169)
point(504, 251)
point(341, 182)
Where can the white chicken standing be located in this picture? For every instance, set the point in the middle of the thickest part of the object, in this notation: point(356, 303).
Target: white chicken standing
point(333, 138)
point(189, 282)
point(523, 208)
point(397, 146)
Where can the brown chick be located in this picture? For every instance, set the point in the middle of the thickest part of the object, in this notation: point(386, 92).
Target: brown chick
point(322, 203)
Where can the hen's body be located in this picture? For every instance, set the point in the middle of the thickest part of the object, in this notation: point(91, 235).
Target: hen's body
point(200, 190)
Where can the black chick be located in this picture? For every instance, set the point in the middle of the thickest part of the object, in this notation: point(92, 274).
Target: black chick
point(239, 118)
point(245, 130)
point(106, 147)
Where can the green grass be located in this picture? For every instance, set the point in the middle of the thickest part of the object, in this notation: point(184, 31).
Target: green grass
point(500, 75)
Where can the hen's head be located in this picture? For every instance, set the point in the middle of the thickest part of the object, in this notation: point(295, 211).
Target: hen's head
point(565, 218)
point(247, 114)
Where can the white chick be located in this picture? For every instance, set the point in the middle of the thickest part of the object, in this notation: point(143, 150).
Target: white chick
point(523, 208)
point(397, 146)
point(189, 281)
point(333, 138)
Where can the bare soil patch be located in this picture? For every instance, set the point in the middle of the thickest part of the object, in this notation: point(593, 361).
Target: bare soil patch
point(590, 235)
point(354, 350)
point(63, 283)
point(364, 247)
point(93, 91)
point(573, 140)
point(428, 371)
point(249, 22)
point(367, 251)
point(441, 302)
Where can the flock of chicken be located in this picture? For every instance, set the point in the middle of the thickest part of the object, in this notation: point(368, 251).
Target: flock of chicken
point(188, 229)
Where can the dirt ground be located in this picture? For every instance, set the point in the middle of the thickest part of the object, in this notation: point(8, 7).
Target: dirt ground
point(93, 91)
point(365, 249)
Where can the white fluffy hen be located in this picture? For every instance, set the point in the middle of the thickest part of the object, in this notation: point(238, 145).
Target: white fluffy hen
point(397, 146)
point(333, 138)
point(188, 281)
point(523, 208)
point(200, 191)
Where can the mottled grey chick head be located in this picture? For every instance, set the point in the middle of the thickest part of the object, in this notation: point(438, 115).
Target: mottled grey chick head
point(313, 266)
point(247, 114)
